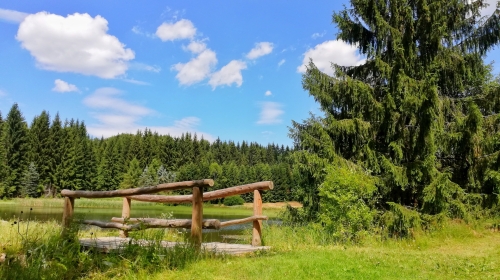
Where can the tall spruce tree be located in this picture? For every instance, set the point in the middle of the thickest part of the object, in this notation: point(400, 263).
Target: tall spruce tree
point(16, 144)
point(30, 181)
point(3, 164)
point(56, 140)
point(418, 113)
point(40, 149)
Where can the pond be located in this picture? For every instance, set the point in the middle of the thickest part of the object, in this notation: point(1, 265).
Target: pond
point(45, 213)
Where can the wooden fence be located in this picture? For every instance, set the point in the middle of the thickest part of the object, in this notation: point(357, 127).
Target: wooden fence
point(126, 224)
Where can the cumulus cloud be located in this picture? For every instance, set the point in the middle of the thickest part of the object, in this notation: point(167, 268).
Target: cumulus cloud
point(281, 62)
point(334, 51)
point(77, 43)
point(260, 49)
point(268, 93)
point(182, 29)
point(270, 113)
point(115, 115)
point(197, 69)
point(12, 16)
point(195, 47)
point(62, 86)
point(228, 75)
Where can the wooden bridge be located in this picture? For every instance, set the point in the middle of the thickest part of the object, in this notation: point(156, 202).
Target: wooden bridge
point(196, 224)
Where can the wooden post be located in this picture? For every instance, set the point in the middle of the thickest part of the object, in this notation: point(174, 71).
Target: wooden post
point(68, 208)
point(257, 225)
point(197, 217)
point(125, 214)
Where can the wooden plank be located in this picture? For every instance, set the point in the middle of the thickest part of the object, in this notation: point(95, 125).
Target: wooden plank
point(172, 223)
point(68, 208)
point(257, 224)
point(242, 221)
point(139, 191)
point(266, 185)
point(197, 217)
point(125, 214)
point(108, 244)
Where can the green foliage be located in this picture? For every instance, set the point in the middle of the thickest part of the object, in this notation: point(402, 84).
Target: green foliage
point(16, 145)
point(345, 198)
point(401, 221)
point(30, 182)
point(233, 200)
point(421, 114)
point(132, 177)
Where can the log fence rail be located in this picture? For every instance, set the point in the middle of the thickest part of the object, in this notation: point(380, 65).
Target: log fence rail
point(196, 224)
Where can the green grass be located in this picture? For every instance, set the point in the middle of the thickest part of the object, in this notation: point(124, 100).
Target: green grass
point(455, 251)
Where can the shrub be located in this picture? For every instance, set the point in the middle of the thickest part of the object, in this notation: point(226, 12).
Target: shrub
point(233, 200)
point(344, 197)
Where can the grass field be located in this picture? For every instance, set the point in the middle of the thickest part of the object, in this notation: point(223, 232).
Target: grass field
point(457, 251)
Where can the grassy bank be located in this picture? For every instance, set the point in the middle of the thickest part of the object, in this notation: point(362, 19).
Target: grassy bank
point(457, 251)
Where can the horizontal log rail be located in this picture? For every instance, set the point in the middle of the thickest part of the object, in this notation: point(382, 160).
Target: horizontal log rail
point(139, 191)
point(196, 223)
point(243, 221)
point(170, 223)
point(266, 185)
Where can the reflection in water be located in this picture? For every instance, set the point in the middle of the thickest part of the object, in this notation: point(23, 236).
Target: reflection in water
point(13, 212)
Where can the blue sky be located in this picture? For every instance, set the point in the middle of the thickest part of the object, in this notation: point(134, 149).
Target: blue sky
point(228, 69)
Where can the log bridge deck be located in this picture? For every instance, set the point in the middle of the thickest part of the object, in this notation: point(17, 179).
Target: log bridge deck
point(113, 244)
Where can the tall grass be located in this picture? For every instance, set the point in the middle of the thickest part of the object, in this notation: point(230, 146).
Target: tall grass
point(37, 250)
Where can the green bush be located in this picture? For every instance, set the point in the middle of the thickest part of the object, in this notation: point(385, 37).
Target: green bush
point(233, 200)
point(344, 202)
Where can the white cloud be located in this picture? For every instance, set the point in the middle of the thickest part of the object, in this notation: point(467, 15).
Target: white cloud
point(195, 47)
point(137, 30)
point(318, 35)
point(108, 99)
point(270, 113)
point(12, 16)
point(76, 43)
point(2, 93)
point(145, 67)
point(62, 86)
point(334, 51)
point(281, 62)
point(260, 49)
point(268, 93)
point(229, 74)
point(135, 82)
point(197, 69)
point(183, 29)
point(114, 115)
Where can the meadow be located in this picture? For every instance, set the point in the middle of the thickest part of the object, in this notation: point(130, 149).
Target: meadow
point(456, 250)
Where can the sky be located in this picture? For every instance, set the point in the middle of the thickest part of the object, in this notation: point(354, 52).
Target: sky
point(227, 69)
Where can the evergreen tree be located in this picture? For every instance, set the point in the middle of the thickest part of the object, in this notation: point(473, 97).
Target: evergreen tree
point(30, 181)
point(133, 175)
point(16, 143)
point(40, 149)
point(54, 163)
point(145, 180)
point(3, 164)
point(412, 115)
